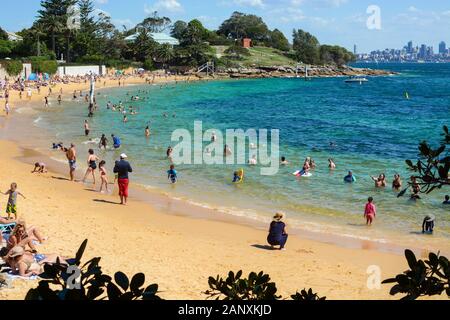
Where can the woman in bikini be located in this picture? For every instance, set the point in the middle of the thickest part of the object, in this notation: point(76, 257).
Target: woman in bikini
point(21, 236)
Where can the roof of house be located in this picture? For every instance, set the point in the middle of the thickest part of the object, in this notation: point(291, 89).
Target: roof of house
point(13, 36)
point(160, 38)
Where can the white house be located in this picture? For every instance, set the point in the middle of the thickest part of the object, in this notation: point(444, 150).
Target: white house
point(160, 38)
point(13, 36)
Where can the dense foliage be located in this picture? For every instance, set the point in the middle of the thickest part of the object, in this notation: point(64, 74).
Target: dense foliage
point(308, 50)
point(96, 40)
point(256, 287)
point(12, 67)
point(93, 283)
point(431, 170)
point(424, 278)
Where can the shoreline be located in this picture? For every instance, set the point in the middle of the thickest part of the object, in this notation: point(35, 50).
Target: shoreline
point(178, 248)
point(174, 250)
point(183, 207)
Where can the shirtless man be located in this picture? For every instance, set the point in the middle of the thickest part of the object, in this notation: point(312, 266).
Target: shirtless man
point(380, 182)
point(71, 155)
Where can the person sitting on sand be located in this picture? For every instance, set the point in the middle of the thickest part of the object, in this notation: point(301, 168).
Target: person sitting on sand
point(24, 237)
point(350, 178)
point(277, 232)
point(27, 264)
point(284, 162)
point(39, 167)
point(172, 174)
point(380, 182)
point(428, 224)
point(447, 200)
point(370, 212)
point(331, 164)
point(11, 207)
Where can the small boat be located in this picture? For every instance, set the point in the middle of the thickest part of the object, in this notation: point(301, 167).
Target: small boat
point(356, 79)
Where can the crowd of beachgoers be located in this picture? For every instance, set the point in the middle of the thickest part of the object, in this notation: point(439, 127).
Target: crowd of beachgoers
point(20, 243)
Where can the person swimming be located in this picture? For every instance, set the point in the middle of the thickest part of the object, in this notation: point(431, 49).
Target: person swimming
point(397, 183)
point(350, 178)
point(380, 182)
point(331, 164)
point(253, 161)
point(447, 200)
point(284, 162)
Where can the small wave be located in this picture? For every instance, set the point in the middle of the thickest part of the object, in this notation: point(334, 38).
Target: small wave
point(37, 120)
point(92, 141)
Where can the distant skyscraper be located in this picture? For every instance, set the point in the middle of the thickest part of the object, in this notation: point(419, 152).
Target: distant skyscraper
point(423, 51)
point(442, 48)
point(410, 47)
point(355, 51)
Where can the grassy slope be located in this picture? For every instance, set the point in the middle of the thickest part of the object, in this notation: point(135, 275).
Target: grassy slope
point(261, 56)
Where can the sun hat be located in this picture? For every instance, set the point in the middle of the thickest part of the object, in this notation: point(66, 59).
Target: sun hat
point(16, 252)
point(279, 216)
point(123, 156)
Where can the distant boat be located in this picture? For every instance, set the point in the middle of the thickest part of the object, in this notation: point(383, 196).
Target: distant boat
point(356, 79)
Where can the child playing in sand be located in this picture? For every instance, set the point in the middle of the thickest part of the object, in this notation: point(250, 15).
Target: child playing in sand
point(103, 175)
point(39, 167)
point(370, 212)
point(172, 174)
point(11, 207)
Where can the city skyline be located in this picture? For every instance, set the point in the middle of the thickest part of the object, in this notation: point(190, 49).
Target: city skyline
point(340, 22)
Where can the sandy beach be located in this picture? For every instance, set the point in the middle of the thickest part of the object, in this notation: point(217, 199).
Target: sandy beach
point(178, 253)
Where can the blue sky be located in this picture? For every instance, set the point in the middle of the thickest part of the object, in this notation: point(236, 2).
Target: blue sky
point(341, 22)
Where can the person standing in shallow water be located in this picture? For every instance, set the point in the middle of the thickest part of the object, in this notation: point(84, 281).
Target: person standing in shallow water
point(277, 232)
point(370, 212)
point(71, 155)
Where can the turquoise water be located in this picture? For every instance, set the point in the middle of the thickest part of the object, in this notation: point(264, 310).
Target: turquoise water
point(373, 126)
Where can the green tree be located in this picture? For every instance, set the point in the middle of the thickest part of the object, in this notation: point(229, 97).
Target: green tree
point(143, 46)
point(164, 54)
point(431, 170)
point(278, 40)
point(236, 51)
point(154, 23)
point(335, 55)
point(306, 47)
point(55, 12)
point(178, 29)
point(241, 25)
point(3, 34)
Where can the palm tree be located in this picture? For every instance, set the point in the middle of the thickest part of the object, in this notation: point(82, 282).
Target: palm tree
point(164, 54)
point(37, 31)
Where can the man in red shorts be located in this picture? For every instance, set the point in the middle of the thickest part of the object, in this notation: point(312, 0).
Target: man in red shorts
point(122, 169)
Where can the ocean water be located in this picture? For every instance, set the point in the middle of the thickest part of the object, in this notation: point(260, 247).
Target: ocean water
point(374, 129)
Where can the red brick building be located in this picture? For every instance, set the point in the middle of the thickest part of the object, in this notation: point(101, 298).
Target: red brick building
point(247, 43)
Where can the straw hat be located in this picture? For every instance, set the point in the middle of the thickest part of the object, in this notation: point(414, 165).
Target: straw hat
point(279, 216)
point(16, 252)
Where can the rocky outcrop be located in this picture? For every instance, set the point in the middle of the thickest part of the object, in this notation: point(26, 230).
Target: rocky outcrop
point(290, 71)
